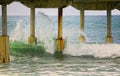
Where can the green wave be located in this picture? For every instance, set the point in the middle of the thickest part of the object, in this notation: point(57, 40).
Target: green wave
point(22, 49)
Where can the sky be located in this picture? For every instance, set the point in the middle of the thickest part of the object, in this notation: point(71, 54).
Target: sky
point(17, 8)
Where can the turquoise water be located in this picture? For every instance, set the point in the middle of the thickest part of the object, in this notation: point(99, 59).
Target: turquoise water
point(80, 59)
point(95, 26)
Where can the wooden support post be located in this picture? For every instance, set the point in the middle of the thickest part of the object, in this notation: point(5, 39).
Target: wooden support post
point(60, 40)
point(109, 37)
point(32, 39)
point(4, 39)
point(82, 38)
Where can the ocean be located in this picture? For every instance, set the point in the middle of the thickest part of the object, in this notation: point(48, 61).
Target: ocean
point(92, 58)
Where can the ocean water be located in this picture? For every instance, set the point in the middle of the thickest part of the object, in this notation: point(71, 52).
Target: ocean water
point(93, 58)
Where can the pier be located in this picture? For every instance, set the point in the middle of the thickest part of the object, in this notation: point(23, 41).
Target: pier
point(81, 5)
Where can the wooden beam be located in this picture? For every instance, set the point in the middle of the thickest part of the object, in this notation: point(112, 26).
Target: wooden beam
point(94, 0)
point(94, 5)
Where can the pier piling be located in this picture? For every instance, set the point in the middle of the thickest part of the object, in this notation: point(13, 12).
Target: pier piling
point(82, 38)
point(4, 39)
point(109, 37)
point(60, 40)
point(32, 39)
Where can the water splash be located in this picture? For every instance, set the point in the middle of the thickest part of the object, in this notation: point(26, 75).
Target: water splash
point(43, 32)
point(95, 49)
point(46, 34)
point(18, 33)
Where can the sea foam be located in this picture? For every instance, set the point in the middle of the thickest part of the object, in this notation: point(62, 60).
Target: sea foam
point(96, 50)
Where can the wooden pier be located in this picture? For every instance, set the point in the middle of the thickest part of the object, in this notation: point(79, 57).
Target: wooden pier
point(81, 5)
